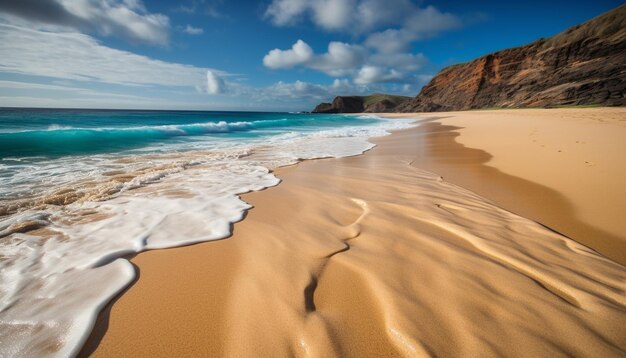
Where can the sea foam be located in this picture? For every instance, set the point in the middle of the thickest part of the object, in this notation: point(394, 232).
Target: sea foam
point(55, 279)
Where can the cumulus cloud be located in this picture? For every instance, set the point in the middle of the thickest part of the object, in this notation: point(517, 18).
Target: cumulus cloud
point(352, 15)
point(430, 20)
point(332, 14)
point(358, 16)
point(124, 18)
point(342, 59)
point(373, 74)
point(373, 14)
point(35, 52)
point(388, 30)
point(284, 12)
point(421, 24)
point(214, 82)
point(193, 30)
point(389, 41)
point(300, 53)
point(342, 86)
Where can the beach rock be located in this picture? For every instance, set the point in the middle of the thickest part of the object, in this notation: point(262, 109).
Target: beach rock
point(584, 65)
point(324, 108)
point(348, 104)
point(342, 104)
point(377, 102)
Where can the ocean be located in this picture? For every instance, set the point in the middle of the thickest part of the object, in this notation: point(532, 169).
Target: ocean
point(83, 190)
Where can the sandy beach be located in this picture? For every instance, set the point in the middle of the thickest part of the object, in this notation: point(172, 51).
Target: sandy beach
point(442, 240)
point(561, 167)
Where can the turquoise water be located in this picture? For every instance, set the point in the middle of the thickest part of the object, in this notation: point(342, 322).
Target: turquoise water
point(43, 151)
point(55, 132)
point(108, 183)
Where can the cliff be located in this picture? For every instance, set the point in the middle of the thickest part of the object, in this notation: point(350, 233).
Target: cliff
point(584, 65)
point(356, 104)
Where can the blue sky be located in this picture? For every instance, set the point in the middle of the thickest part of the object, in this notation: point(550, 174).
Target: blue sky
point(251, 55)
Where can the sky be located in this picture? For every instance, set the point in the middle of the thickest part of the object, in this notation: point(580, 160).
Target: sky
point(273, 55)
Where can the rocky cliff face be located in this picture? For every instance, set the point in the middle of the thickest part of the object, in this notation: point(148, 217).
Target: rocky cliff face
point(356, 104)
point(341, 104)
point(585, 65)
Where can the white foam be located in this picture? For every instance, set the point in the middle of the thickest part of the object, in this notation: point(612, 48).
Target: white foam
point(52, 287)
point(55, 127)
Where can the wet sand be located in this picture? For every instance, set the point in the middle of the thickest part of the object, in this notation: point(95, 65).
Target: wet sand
point(372, 256)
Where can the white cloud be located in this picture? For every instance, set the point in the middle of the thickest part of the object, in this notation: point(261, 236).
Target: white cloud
point(75, 92)
point(340, 59)
point(215, 84)
point(342, 85)
point(420, 24)
point(91, 74)
point(76, 56)
point(124, 18)
point(314, 93)
point(430, 21)
point(310, 91)
point(299, 53)
point(358, 16)
point(383, 57)
point(375, 13)
point(351, 15)
point(332, 14)
point(39, 86)
point(343, 59)
point(284, 12)
point(389, 41)
point(193, 30)
point(372, 74)
point(380, 76)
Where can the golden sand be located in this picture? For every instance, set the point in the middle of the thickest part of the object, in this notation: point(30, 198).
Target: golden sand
point(373, 256)
point(564, 168)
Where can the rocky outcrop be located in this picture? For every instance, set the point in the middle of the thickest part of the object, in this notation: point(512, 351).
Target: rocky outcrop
point(324, 107)
point(342, 104)
point(385, 105)
point(356, 104)
point(584, 65)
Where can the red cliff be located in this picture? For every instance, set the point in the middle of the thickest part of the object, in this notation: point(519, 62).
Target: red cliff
point(584, 65)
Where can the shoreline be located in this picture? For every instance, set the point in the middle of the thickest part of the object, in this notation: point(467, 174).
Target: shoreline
point(315, 264)
point(105, 207)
